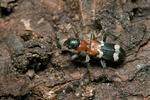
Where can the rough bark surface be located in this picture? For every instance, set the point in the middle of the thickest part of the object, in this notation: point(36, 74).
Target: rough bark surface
point(34, 64)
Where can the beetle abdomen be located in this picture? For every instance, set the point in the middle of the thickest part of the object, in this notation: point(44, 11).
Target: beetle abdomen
point(112, 52)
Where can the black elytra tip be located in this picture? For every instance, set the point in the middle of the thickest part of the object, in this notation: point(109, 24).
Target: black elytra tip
point(111, 53)
point(72, 43)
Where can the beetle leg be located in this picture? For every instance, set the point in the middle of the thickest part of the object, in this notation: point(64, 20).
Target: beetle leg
point(75, 56)
point(115, 37)
point(104, 37)
point(103, 63)
point(83, 53)
point(88, 71)
point(87, 58)
point(92, 36)
point(80, 35)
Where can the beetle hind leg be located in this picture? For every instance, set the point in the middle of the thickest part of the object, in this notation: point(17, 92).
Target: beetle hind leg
point(104, 36)
point(88, 71)
point(88, 66)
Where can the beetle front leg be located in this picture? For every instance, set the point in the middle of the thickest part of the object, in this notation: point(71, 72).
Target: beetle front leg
point(80, 35)
point(75, 56)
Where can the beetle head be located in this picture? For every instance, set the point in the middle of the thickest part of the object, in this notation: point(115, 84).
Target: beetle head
point(72, 43)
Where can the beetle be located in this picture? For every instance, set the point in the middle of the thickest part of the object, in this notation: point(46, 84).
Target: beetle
point(99, 49)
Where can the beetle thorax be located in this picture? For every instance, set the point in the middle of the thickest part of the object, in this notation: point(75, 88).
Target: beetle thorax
point(83, 46)
point(93, 48)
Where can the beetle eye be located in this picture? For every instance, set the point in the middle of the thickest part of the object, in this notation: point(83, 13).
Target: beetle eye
point(72, 43)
